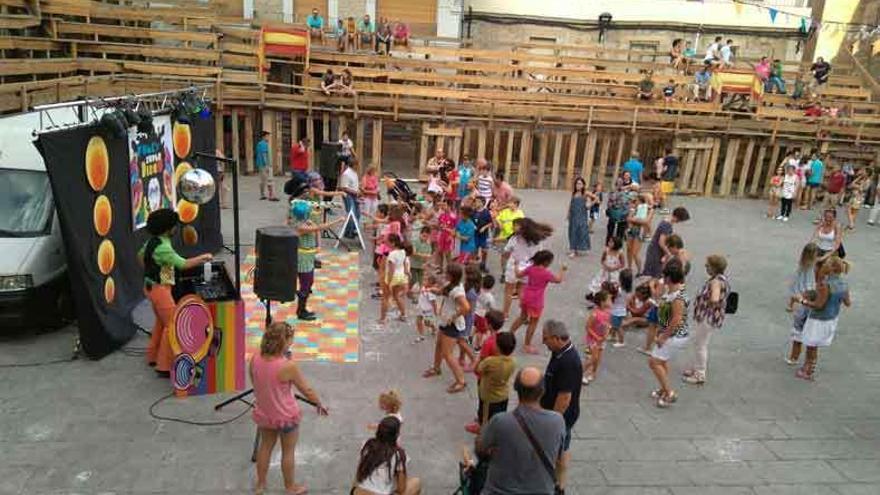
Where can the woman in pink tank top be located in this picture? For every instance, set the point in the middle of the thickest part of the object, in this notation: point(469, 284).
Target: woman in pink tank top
point(276, 411)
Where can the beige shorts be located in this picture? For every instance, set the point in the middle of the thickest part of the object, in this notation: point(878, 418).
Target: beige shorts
point(266, 175)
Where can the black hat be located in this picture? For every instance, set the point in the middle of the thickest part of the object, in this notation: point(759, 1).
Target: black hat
point(161, 221)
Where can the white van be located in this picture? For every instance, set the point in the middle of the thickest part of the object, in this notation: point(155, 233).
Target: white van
point(34, 288)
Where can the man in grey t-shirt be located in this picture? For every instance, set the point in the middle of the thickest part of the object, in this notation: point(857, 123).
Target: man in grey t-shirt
point(515, 467)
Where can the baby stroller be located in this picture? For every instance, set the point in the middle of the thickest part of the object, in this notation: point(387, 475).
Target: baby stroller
point(400, 191)
point(471, 477)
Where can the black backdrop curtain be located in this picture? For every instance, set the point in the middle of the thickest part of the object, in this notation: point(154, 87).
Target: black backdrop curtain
point(89, 172)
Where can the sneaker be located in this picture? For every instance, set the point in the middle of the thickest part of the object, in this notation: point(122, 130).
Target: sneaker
point(418, 339)
point(643, 351)
point(587, 379)
point(262, 198)
point(800, 373)
point(784, 219)
point(695, 379)
point(618, 344)
point(779, 217)
point(473, 428)
point(790, 362)
point(687, 372)
point(273, 199)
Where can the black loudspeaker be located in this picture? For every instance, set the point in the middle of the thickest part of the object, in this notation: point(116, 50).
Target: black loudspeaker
point(275, 272)
point(329, 166)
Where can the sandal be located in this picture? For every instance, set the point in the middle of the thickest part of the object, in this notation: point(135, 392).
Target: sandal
point(456, 387)
point(428, 373)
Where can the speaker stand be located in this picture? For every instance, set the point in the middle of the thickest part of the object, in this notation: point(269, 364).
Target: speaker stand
point(268, 305)
point(329, 234)
point(350, 218)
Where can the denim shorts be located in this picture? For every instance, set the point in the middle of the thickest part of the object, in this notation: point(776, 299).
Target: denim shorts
point(653, 315)
point(616, 321)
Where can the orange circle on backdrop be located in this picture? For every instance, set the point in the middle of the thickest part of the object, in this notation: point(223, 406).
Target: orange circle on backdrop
point(190, 235)
point(187, 211)
point(109, 290)
point(97, 163)
point(182, 168)
point(106, 256)
point(181, 136)
point(102, 215)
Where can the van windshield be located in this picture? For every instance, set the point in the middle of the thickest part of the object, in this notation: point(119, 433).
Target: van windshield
point(25, 203)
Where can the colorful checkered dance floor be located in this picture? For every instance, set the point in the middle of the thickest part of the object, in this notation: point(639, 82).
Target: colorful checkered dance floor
point(334, 336)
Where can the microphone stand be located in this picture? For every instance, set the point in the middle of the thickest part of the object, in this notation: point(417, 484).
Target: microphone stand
point(236, 236)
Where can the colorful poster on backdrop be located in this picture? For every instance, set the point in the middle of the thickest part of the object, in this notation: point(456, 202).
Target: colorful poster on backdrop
point(151, 170)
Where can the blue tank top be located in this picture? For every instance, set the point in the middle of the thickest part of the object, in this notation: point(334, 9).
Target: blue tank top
point(837, 289)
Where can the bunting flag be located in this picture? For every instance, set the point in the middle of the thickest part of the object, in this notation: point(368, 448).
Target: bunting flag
point(773, 13)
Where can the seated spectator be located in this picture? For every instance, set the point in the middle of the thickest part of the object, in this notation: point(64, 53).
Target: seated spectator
point(713, 52)
point(351, 33)
point(646, 87)
point(701, 88)
point(798, 92)
point(813, 109)
point(366, 31)
point(820, 69)
point(676, 54)
point(762, 70)
point(726, 52)
point(669, 91)
point(346, 83)
point(341, 33)
point(776, 78)
point(330, 83)
point(382, 465)
point(689, 51)
point(384, 35)
point(316, 25)
point(401, 33)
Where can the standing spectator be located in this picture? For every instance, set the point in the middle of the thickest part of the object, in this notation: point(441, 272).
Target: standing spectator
point(276, 411)
point(299, 159)
point(562, 385)
point(263, 164)
point(635, 167)
point(657, 250)
point(316, 25)
point(820, 70)
point(438, 165)
point(672, 335)
point(579, 219)
point(384, 35)
point(701, 88)
point(726, 53)
point(790, 186)
point(502, 191)
point(366, 31)
point(401, 33)
point(495, 372)
point(667, 180)
point(381, 468)
point(346, 150)
point(350, 185)
point(821, 325)
point(815, 176)
point(709, 315)
point(834, 188)
point(525, 443)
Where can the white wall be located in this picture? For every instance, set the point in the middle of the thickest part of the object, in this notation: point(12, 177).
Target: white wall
point(449, 18)
point(691, 12)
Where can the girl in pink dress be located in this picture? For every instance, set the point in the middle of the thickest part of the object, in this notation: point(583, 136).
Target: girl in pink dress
point(537, 276)
point(598, 324)
point(370, 192)
point(276, 411)
point(446, 222)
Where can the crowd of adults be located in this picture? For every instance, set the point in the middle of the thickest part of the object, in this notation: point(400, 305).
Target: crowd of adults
point(362, 33)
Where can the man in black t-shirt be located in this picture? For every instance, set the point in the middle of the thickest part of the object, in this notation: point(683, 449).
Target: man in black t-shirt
point(562, 384)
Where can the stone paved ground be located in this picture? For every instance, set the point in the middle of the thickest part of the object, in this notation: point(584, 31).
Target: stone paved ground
point(754, 429)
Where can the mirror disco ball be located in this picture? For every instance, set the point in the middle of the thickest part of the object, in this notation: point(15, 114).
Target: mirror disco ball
point(197, 186)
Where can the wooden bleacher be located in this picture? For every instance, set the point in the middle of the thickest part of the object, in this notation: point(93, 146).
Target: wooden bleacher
point(583, 96)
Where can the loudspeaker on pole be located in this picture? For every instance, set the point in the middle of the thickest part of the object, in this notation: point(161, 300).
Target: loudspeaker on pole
point(276, 268)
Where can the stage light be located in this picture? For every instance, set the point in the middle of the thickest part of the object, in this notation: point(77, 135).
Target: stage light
point(114, 123)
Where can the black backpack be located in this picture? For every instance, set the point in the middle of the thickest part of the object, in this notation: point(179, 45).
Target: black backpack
point(732, 303)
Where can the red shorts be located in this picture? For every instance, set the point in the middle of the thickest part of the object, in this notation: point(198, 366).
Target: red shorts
point(481, 324)
point(464, 258)
point(531, 311)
